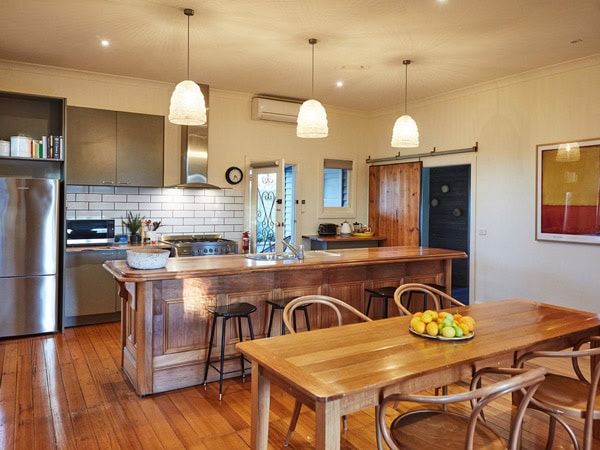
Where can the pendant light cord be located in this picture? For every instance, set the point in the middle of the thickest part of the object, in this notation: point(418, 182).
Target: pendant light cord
point(312, 42)
point(188, 12)
point(188, 49)
point(406, 62)
point(405, 86)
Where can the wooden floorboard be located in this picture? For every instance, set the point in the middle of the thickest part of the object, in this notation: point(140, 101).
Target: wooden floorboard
point(67, 391)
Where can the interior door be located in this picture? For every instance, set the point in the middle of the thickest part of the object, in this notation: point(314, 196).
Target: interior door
point(395, 201)
point(267, 205)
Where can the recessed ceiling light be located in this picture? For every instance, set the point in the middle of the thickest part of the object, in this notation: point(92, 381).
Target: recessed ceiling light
point(104, 43)
point(339, 83)
point(354, 67)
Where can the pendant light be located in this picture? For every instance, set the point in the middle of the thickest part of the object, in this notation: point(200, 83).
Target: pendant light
point(312, 118)
point(406, 133)
point(187, 102)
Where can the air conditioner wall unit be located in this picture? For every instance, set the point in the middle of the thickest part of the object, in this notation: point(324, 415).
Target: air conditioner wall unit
point(274, 109)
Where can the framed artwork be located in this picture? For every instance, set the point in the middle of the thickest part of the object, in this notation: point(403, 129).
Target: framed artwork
point(568, 192)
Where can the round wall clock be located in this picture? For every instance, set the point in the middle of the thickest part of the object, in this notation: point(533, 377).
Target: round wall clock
point(234, 175)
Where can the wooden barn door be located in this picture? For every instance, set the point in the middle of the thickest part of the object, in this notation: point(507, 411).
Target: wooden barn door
point(395, 201)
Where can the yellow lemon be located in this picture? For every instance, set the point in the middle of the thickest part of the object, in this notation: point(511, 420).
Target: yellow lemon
point(414, 321)
point(465, 328)
point(426, 317)
point(419, 327)
point(469, 321)
point(418, 314)
point(432, 329)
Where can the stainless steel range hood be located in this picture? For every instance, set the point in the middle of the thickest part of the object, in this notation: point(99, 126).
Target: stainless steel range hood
point(194, 153)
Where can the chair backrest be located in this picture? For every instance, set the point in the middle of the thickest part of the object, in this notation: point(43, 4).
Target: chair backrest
point(331, 302)
point(577, 354)
point(431, 293)
point(524, 380)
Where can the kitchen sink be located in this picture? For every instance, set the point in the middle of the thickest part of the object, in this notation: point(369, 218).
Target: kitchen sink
point(277, 256)
point(269, 256)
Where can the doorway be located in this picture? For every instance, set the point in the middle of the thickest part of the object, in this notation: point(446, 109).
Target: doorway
point(445, 213)
point(272, 205)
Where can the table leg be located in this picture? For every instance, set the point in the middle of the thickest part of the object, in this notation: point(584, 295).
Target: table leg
point(259, 413)
point(328, 425)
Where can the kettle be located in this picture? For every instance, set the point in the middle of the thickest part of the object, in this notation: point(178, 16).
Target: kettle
point(346, 228)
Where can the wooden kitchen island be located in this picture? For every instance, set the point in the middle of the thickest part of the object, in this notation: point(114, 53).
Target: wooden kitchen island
point(165, 324)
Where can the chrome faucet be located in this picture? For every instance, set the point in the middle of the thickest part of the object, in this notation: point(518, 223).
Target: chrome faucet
point(298, 252)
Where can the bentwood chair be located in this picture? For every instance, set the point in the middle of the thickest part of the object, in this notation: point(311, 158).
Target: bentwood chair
point(437, 429)
point(562, 396)
point(301, 302)
point(438, 298)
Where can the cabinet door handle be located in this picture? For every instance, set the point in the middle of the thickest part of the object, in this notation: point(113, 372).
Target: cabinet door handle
point(122, 182)
point(108, 182)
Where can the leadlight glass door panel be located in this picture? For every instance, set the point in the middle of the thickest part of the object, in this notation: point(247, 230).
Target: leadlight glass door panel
point(267, 208)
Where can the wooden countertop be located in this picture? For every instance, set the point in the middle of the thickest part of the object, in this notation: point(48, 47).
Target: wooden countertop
point(202, 266)
point(340, 238)
point(81, 248)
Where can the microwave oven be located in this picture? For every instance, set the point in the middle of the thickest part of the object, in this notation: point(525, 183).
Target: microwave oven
point(90, 232)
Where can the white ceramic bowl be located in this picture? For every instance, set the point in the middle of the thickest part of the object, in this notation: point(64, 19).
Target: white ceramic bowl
point(147, 258)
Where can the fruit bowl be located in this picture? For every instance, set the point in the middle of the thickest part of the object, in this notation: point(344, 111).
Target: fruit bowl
point(147, 258)
point(464, 337)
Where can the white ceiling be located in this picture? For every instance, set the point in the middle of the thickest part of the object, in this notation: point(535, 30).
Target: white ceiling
point(261, 46)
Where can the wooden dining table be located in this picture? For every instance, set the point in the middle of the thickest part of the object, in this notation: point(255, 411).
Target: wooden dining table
point(345, 369)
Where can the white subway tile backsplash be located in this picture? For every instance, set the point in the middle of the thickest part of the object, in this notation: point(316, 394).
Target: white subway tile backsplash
point(138, 198)
point(100, 206)
point(126, 190)
point(180, 210)
point(114, 198)
point(88, 197)
point(101, 189)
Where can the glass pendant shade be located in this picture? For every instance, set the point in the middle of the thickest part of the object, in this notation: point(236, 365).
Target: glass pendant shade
point(405, 133)
point(187, 104)
point(568, 152)
point(312, 120)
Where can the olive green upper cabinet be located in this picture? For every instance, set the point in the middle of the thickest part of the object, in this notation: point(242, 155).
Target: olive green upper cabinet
point(114, 148)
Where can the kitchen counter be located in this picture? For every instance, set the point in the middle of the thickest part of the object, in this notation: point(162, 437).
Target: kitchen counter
point(82, 248)
point(321, 242)
point(165, 325)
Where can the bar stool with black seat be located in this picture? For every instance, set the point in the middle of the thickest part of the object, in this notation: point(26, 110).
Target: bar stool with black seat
point(384, 293)
point(226, 312)
point(280, 305)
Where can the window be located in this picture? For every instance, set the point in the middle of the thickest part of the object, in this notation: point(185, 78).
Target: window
point(337, 182)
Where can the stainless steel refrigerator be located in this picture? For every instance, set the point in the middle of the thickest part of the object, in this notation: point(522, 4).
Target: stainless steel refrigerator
point(28, 256)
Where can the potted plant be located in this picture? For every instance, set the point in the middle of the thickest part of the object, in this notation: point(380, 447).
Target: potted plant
point(133, 223)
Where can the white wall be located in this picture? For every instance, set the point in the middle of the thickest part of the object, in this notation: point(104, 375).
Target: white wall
point(508, 118)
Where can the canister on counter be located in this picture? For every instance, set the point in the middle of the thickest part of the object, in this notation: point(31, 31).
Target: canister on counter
point(4, 148)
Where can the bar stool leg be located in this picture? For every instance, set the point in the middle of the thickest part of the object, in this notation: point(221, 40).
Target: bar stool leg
point(369, 305)
point(384, 307)
point(282, 324)
point(239, 321)
point(250, 328)
point(306, 319)
point(210, 344)
point(270, 321)
point(223, 329)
